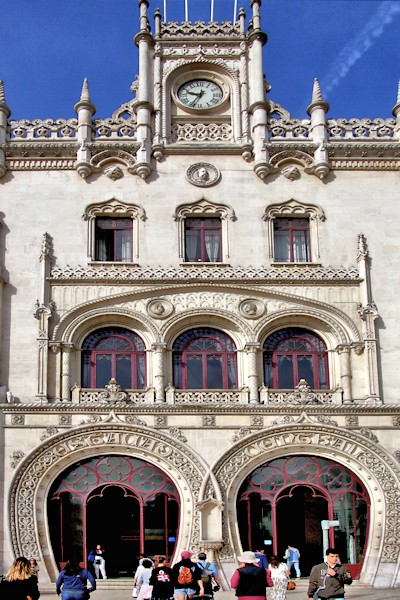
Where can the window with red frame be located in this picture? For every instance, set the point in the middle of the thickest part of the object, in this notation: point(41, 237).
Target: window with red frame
point(203, 240)
point(113, 353)
point(114, 239)
point(292, 240)
point(292, 354)
point(204, 358)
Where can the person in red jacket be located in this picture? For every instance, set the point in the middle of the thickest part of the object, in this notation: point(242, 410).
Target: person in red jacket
point(250, 580)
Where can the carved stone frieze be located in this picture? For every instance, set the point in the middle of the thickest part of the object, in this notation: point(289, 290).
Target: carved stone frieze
point(65, 420)
point(176, 433)
point(209, 421)
point(396, 420)
point(161, 421)
point(203, 273)
point(256, 421)
point(351, 421)
point(242, 432)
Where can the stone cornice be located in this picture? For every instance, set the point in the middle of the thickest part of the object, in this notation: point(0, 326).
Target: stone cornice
point(358, 407)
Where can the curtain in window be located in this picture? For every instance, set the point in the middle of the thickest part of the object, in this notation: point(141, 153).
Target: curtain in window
point(300, 246)
point(212, 244)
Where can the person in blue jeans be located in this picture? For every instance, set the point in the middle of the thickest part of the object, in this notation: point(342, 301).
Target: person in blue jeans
point(72, 582)
point(292, 556)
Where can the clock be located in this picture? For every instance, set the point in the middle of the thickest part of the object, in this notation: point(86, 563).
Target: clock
point(200, 94)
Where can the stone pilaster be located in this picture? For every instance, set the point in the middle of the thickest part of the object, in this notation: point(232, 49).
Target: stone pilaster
point(251, 350)
point(158, 366)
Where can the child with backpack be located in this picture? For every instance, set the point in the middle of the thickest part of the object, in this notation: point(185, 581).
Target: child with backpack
point(187, 576)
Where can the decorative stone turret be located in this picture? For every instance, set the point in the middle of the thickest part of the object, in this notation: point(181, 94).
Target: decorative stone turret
point(317, 111)
point(396, 114)
point(144, 106)
point(5, 112)
point(85, 111)
point(259, 106)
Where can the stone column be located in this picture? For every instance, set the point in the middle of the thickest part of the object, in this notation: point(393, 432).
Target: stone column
point(251, 349)
point(66, 371)
point(158, 370)
point(85, 111)
point(4, 115)
point(317, 111)
point(345, 372)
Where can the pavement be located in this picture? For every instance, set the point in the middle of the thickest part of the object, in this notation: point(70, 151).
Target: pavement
point(121, 590)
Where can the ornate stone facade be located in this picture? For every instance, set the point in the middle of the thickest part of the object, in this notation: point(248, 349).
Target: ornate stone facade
point(244, 165)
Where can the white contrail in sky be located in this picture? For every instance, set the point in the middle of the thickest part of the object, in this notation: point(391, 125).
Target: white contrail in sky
point(354, 50)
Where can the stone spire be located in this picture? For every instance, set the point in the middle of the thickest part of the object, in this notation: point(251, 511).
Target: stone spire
point(319, 133)
point(5, 112)
point(85, 110)
point(396, 113)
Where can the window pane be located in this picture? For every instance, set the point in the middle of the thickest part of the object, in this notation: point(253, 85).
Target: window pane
point(305, 369)
point(285, 372)
point(124, 245)
point(300, 246)
point(105, 245)
point(214, 372)
point(123, 369)
point(192, 246)
point(194, 372)
point(103, 370)
point(212, 246)
point(282, 246)
point(323, 382)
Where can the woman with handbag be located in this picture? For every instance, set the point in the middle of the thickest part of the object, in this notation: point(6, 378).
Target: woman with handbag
point(250, 580)
point(280, 577)
point(19, 583)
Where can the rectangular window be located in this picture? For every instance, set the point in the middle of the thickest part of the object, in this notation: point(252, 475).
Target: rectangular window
point(292, 240)
point(203, 240)
point(114, 239)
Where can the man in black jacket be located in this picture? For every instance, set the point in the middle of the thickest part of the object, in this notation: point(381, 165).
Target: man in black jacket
point(328, 579)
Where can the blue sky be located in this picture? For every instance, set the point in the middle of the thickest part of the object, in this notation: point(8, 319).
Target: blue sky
point(47, 47)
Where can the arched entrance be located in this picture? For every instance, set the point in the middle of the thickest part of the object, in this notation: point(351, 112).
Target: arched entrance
point(125, 504)
point(284, 501)
point(299, 512)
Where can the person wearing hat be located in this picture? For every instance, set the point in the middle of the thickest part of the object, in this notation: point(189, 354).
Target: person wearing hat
point(187, 577)
point(250, 580)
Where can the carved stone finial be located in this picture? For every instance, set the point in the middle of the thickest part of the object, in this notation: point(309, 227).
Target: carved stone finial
point(317, 100)
point(362, 248)
point(3, 105)
point(85, 94)
point(396, 107)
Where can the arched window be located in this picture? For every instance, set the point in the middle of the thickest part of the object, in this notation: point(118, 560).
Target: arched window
point(204, 358)
point(113, 353)
point(292, 354)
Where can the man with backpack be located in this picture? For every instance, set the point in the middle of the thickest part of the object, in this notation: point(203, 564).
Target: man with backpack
point(187, 577)
point(208, 574)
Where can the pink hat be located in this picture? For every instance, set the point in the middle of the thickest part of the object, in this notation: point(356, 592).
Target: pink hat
point(186, 554)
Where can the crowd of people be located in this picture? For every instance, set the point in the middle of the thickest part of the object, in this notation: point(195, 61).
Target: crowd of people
point(190, 577)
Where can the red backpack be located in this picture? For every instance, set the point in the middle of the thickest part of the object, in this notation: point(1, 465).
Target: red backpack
point(185, 575)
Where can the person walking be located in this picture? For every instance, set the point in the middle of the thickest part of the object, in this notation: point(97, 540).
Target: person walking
point(208, 574)
point(280, 576)
point(143, 580)
point(99, 562)
point(250, 581)
point(161, 579)
point(187, 576)
point(72, 582)
point(327, 579)
point(292, 556)
point(263, 559)
point(19, 582)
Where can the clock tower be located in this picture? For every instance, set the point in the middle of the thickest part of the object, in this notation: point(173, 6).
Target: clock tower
point(201, 86)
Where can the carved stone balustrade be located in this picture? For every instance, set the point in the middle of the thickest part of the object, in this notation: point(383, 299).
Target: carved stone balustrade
point(206, 396)
point(290, 128)
point(46, 129)
point(361, 128)
point(84, 395)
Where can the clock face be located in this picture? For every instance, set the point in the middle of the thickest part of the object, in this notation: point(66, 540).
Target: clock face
point(200, 94)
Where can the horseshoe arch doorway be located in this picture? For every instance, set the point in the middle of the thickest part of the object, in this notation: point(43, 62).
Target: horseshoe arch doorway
point(125, 504)
point(284, 501)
